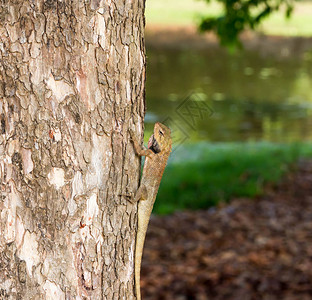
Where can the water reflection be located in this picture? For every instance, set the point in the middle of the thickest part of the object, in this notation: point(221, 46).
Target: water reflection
point(253, 96)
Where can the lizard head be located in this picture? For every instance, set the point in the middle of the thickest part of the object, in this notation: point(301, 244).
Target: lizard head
point(162, 135)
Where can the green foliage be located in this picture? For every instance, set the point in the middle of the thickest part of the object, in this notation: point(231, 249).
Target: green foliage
point(239, 15)
point(201, 175)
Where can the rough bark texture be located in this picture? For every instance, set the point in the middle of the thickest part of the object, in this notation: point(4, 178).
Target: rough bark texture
point(71, 84)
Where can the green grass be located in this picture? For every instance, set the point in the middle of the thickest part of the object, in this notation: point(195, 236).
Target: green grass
point(201, 175)
point(299, 24)
point(189, 12)
point(178, 12)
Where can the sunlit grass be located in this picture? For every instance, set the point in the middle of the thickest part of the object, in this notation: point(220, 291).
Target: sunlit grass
point(201, 175)
point(179, 12)
point(189, 12)
point(299, 24)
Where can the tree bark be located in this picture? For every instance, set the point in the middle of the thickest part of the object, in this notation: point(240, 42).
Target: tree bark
point(72, 77)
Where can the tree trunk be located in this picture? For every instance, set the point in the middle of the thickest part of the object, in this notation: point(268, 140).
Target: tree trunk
point(71, 84)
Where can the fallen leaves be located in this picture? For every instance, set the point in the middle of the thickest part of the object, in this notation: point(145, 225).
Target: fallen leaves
point(249, 249)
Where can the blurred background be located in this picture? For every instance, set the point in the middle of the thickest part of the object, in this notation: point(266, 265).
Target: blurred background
point(233, 218)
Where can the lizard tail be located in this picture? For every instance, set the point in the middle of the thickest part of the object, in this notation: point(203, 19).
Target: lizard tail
point(138, 258)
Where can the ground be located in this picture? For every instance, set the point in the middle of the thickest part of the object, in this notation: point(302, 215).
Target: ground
point(187, 37)
point(250, 249)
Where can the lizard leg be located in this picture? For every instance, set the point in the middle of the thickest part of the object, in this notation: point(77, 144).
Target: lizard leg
point(141, 193)
point(138, 149)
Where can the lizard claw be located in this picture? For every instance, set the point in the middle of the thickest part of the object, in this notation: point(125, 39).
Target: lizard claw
point(129, 196)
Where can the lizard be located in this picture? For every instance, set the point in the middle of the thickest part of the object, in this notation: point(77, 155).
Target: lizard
point(156, 157)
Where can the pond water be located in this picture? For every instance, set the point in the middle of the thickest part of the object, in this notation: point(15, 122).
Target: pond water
point(217, 96)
